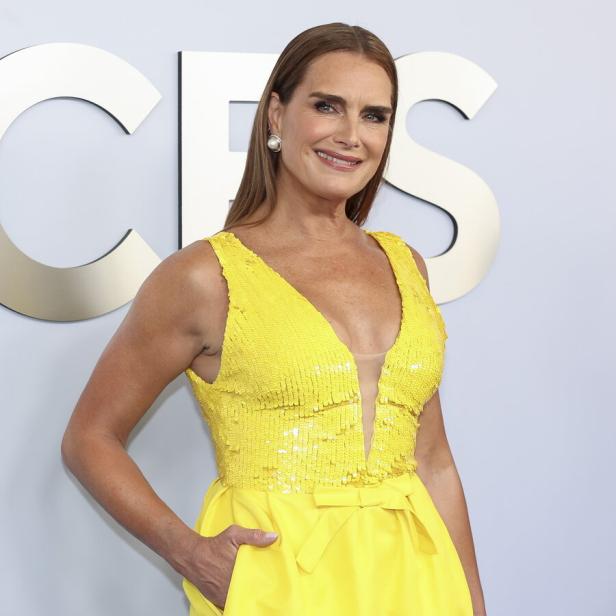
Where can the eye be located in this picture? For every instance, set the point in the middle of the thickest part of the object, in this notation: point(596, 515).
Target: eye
point(319, 105)
point(380, 118)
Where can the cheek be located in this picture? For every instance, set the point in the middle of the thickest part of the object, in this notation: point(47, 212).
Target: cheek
point(376, 140)
point(304, 134)
point(316, 131)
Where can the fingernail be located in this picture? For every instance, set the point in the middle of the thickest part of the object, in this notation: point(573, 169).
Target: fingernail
point(271, 535)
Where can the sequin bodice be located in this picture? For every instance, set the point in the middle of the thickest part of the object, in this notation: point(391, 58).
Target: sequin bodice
point(285, 410)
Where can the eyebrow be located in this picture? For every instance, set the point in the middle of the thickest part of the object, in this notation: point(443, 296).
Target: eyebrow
point(338, 99)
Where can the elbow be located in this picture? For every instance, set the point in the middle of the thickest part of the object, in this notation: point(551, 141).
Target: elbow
point(436, 462)
point(79, 443)
point(74, 444)
point(67, 448)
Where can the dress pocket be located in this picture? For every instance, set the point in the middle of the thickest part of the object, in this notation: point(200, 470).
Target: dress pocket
point(205, 525)
point(239, 587)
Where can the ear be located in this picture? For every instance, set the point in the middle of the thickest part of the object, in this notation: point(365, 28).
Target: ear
point(274, 113)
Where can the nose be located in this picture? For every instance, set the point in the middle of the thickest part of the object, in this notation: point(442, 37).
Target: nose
point(348, 133)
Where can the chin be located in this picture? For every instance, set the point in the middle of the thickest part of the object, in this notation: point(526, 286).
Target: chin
point(334, 195)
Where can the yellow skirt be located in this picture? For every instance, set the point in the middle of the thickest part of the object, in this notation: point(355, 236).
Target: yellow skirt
point(359, 551)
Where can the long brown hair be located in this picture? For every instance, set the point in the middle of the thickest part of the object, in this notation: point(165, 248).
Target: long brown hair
point(258, 182)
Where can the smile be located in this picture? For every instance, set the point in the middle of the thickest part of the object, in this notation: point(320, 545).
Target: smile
point(337, 163)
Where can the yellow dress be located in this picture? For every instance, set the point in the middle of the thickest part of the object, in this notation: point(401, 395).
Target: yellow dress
point(357, 535)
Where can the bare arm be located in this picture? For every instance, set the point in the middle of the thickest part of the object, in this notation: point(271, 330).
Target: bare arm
point(157, 340)
point(438, 471)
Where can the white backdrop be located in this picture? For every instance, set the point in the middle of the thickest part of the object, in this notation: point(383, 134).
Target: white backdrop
point(525, 388)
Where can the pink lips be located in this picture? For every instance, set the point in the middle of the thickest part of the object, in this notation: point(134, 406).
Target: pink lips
point(338, 166)
point(350, 159)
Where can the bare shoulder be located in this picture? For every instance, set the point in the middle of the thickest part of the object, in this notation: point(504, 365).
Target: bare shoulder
point(421, 264)
point(195, 261)
point(186, 284)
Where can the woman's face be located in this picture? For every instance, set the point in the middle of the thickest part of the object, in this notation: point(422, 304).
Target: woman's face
point(342, 107)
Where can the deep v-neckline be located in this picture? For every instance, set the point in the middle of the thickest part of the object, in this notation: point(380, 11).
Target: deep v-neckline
point(339, 342)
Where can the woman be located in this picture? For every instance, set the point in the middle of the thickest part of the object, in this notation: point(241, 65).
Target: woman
point(280, 321)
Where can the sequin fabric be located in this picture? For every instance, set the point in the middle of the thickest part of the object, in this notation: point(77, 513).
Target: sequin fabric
point(285, 411)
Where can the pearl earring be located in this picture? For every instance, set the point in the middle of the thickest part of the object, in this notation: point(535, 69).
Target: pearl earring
point(274, 143)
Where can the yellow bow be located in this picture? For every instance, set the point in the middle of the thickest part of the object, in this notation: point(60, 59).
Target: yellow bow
point(392, 493)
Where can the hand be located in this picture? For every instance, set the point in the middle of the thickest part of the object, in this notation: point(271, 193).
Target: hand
point(212, 559)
